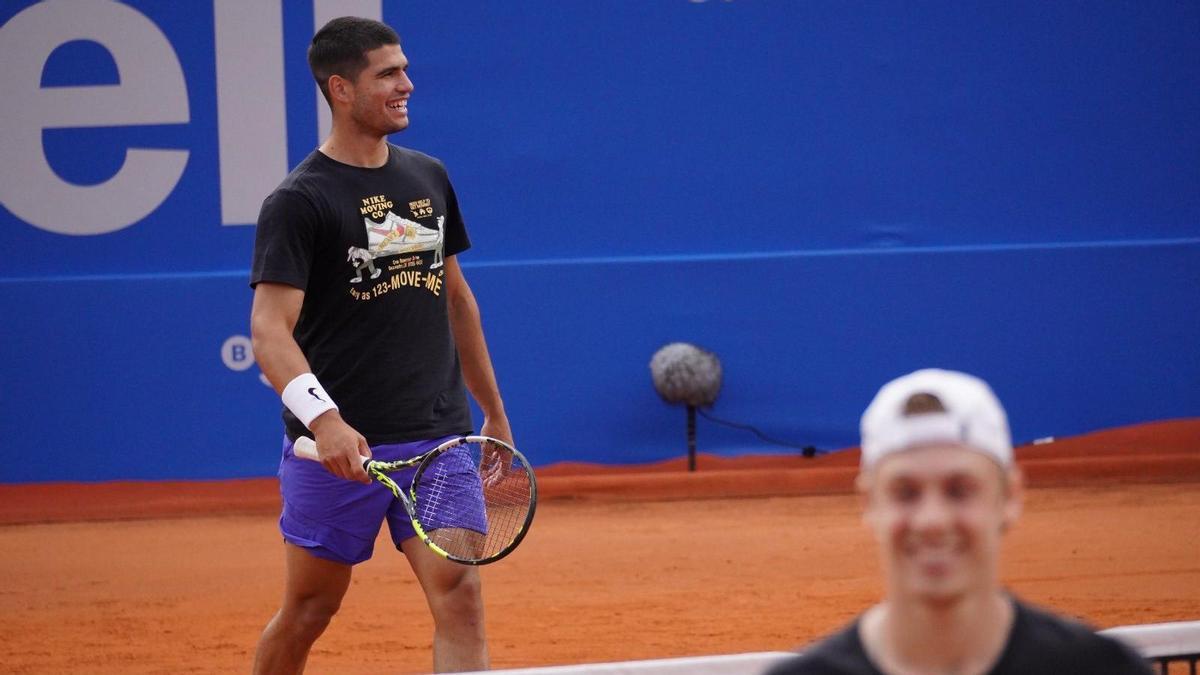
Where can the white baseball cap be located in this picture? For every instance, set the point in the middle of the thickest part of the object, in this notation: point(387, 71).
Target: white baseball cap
point(973, 418)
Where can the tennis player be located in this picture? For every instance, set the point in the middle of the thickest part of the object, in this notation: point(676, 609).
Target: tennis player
point(940, 489)
point(363, 322)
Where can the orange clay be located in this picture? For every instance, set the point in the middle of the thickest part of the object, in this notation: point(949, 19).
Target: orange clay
point(622, 563)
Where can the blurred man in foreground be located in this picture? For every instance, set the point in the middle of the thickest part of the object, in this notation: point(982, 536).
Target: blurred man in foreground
point(940, 489)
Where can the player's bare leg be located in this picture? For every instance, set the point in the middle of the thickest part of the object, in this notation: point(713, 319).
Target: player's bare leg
point(313, 592)
point(456, 603)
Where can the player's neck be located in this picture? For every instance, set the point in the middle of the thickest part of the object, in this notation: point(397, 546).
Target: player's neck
point(964, 636)
point(356, 149)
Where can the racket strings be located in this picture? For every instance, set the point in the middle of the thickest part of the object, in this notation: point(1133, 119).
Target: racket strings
point(474, 502)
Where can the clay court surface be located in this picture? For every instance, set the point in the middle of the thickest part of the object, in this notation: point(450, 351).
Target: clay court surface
point(757, 554)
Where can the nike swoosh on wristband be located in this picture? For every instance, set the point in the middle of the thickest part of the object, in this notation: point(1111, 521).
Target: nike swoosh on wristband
point(313, 392)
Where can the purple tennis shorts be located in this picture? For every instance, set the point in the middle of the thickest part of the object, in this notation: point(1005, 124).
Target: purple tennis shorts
point(339, 519)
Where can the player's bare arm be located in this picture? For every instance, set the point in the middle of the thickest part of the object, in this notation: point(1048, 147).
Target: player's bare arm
point(273, 317)
point(478, 373)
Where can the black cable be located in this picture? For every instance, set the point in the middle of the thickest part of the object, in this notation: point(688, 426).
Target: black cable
point(809, 450)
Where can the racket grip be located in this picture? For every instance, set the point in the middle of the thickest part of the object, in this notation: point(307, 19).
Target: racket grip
point(306, 448)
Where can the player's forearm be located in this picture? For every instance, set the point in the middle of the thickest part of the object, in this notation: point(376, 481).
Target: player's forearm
point(277, 354)
point(272, 319)
point(282, 361)
point(473, 354)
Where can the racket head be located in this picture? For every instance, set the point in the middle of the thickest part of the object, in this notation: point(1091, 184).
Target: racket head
point(473, 499)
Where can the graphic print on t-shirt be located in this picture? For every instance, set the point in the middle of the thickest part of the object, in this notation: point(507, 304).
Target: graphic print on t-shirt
point(400, 235)
point(395, 236)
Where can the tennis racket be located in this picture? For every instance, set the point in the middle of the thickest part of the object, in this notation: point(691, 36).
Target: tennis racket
point(471, 500)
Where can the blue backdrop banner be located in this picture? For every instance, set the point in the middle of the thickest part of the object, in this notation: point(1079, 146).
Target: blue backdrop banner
point(824, 194)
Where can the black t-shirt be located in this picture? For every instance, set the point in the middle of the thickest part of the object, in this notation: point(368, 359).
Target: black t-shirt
point(1039, 644)
point(367, 247)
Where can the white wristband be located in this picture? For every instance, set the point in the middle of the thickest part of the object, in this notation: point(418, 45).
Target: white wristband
point(306, 398)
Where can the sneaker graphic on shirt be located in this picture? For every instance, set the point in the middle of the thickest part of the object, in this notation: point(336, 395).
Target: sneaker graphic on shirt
point(396, 235)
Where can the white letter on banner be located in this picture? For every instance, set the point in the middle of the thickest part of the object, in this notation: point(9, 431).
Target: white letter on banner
point(251, 105)
point(323, 11)
point(151, 91)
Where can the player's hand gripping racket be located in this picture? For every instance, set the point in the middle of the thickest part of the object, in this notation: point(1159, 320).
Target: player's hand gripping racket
point(472, 498)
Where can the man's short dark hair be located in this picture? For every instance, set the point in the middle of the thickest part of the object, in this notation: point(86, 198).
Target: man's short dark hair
point(923, 404)
point(341, 46)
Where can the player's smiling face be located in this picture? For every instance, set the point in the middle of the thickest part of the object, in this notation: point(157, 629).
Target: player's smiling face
point(381, 92)
point(939, 514)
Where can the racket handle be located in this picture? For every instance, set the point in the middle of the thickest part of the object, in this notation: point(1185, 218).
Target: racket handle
point(306, 448)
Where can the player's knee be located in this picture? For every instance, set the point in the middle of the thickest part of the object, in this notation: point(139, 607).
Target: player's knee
point(311, 616)
point(460, 596)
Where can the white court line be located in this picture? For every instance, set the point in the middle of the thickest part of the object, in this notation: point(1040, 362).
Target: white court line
point(727, 664)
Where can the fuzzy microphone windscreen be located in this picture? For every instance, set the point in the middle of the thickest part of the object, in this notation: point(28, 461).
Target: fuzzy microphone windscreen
point(685, 373)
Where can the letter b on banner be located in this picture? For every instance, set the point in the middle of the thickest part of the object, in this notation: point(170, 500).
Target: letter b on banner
point(236, 353)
